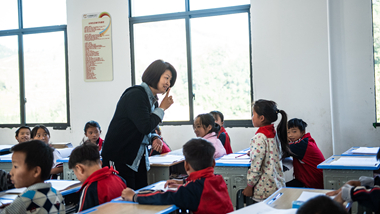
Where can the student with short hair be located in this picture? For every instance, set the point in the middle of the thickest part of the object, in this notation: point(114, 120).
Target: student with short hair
point(23, 134)
point(321, 205)
point(205, 127)
point(31, 165)
point(203, 192)
point(41, 132)
point(222, 135)
point(100, 185)
point(306, 156)
point(92, 131)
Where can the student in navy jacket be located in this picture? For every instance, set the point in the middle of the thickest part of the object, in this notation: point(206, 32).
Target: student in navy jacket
point(203, 192)
point(132, 127)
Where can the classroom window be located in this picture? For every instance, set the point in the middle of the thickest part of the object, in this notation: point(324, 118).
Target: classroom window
point(210, 48)
point(33, 64)
point(376, 49)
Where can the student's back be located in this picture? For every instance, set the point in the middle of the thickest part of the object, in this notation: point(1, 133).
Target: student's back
point(100, 185)
point(204, 192)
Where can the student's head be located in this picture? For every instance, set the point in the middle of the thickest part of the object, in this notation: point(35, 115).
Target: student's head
point(199, 154)
point(40, 132)
point(158, 130)
point(82, 158)
point(92, 131)
point(31, 163)
point(321, 205)
point(160, 75)
point(218, 116)
point(204, 124)
point(296, 129)
point(265, 112)
point(23, 134)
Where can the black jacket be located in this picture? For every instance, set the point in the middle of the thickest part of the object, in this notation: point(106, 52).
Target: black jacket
point(131, 122)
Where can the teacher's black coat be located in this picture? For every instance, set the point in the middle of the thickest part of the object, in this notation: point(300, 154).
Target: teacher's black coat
point(131, 122)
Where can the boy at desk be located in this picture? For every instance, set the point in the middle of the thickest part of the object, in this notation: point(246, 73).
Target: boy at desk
point(31, 165)
point(203, 192)
point(100, 185)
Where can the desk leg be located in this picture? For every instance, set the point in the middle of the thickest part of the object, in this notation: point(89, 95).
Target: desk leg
point(158, 173)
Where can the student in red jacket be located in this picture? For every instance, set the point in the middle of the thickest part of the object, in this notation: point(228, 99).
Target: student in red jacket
point(222, 135)
point(203, 192)
point(92, 131)
point(100, 185)
point(306, 156)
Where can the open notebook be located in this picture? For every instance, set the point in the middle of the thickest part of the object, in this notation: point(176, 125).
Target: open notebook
point(56, 184)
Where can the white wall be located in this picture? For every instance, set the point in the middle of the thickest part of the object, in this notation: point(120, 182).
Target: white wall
point(314, 58)
point(352, 74)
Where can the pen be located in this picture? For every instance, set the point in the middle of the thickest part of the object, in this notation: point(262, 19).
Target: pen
point(275, 198)
point(240, 155)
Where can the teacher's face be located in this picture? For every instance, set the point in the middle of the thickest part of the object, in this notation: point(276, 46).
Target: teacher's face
point(164, 83)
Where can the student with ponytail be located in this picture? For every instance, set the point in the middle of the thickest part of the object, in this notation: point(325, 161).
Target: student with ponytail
point(206, 128)
point(265, 175)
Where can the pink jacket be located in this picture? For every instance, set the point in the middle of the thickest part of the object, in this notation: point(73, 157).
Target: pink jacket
point(213, 139)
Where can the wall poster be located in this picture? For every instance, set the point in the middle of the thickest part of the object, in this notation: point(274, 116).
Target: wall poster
point(97, 47)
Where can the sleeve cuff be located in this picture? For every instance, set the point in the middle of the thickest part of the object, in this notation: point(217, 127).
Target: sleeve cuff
point(366, 181)
point(250, 185)
point(346, 193)
point(159, 112)
point(134, 199)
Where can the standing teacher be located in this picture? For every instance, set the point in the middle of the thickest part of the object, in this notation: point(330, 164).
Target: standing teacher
point(132, 127)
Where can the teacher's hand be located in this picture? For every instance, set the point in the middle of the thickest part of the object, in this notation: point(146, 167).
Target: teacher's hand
point(167, 101)
point(157, 145)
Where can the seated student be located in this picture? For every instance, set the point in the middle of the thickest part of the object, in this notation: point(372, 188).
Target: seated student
point(205, 127)
point(204, 192)
point(222, 135)
point(31, 165)
point(23, 134)
point(165, 147)
point(92, 131)
point(321, 205)
point(100, 185)
point(306, 156)
point(40, 132)
point(366, 191)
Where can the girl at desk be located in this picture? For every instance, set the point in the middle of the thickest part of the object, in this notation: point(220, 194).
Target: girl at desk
point(265, 175)
point(40, 132)
point(205, 127)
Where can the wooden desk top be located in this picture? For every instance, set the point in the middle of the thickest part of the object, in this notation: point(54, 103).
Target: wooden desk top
point(289, 195)
point(126, 208)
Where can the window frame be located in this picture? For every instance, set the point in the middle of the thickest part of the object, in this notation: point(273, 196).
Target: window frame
point(35, 30)
point(187, 15)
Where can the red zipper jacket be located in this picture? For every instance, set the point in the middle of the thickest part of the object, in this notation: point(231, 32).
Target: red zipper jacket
point(226, 141)
point(204, 192)
point(100, 187)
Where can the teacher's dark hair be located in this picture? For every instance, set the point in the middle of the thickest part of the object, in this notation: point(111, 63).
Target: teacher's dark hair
point(154, 71)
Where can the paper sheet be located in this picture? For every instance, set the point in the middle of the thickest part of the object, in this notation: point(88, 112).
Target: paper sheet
point(157, 159)
point(308, 195)
point(159, 186)
point(56, 184)
point(354, 161)
point(366, 150)
point(261, 208)
point(65, 152)
point(234, 156)
point(6, 157)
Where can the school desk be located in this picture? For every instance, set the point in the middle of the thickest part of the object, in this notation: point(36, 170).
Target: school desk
point(69, 194)
point(117, 205)
point(164, 165)
point(130, 207)
point(361, 151)
point(6, 162)
point(234, 171)
point(337, 169)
